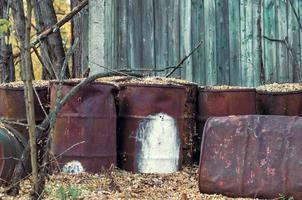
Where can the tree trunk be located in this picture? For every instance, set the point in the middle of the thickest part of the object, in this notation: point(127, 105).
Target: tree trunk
point(52, 49)
point(19, 25)
point(7, 70)
point(79, 26)
point(26, 71)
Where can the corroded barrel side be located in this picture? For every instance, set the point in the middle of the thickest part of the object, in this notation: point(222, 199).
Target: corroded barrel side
point(85, 129)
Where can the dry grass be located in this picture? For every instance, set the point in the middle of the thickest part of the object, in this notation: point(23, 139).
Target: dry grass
point(118, 184)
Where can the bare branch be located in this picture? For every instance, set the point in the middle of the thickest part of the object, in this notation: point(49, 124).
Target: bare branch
point(184, 59)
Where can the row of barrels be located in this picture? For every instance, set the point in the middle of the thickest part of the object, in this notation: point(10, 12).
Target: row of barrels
point(142, 126)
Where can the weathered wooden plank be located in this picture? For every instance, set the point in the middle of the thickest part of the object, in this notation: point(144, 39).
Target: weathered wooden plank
point(300, 43)
point(210, 42)
point(270, 46)
point(110, 34)
point(161, 34)
point(250, 65)
point(185, 38)
point(293, 42)
point(148, 59)
point(96, 35)
point(122, 34)
point(173, 34)
point(281, 49)
point(234, 40)
point(257, 7)
point(243, 40)
point(198, 59)
point(222, 42)
point(135, 34)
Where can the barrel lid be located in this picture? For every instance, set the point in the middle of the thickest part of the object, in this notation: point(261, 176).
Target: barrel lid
point(280, 88)
point(225, 88)
point(19, 85)
point(75, 81)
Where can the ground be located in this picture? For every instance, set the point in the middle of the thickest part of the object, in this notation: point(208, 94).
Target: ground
point(118, 184)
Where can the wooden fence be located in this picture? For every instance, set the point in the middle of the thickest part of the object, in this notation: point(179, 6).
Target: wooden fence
point(245, 42)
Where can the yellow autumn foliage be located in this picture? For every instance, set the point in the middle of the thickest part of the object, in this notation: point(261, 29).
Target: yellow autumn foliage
point(62, 7)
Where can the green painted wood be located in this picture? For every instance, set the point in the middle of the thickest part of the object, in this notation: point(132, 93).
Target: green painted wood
point(234, 40)
point(122, 34)
point(161, 34)
point(148, 60)
point(198, 34)
point(173, 34)
point(255, 43)
point(281, 50)
point(210, 42)
point(300, 41)
point(293, 40)
point(250, 37)
point(135, 34)
point(185, 38)
point(243, 42)
point(158, 33)
point(110, 29)
point(222, 44)
point(270, 46)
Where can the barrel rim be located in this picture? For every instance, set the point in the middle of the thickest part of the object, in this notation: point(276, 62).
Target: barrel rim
point(71, 82)
point(261, 92)
point(205, 89)
point(7, 88)
point(153, 85)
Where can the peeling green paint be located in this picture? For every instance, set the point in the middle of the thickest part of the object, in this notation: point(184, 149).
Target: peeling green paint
point(158, 33)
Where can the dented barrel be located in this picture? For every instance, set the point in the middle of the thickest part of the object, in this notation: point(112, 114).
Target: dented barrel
point(11, 147)
point(12, 104)
point(85, 130)
point(222, 101)
point(150, 126)
point(252, 156)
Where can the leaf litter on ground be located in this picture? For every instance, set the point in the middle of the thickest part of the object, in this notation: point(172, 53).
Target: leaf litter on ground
point(114, 184)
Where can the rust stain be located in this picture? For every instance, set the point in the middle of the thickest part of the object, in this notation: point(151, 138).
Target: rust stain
point(279, 103)
point(265, 163)
point(11, 148)
point(213, 103)
point(12, 106)
point(137, 103)
point(89, 117)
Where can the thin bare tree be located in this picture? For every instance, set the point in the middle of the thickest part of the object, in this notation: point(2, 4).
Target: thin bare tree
point(7, 70)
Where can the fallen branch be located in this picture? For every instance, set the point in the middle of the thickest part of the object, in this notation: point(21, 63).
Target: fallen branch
point(135, 76)
point(183, 60)
point(23, 167)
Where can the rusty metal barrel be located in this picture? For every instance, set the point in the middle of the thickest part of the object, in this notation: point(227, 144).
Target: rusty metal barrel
point(253, 156)
point(189, 125)
point(221, 101)
point(12, 104)
point(279, 99)
point(12, 144)
point(85, 130)
point(150, 126)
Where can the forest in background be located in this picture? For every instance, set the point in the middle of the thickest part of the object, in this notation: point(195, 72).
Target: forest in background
point(62, 7)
